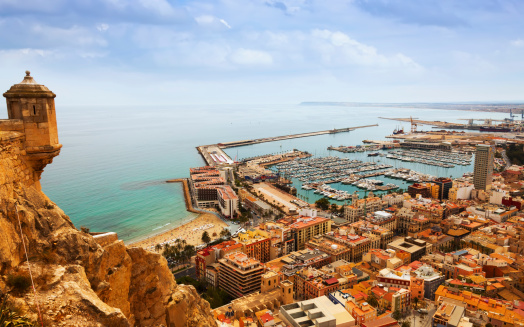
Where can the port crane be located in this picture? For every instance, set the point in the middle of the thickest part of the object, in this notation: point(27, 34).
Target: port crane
point(413, 126)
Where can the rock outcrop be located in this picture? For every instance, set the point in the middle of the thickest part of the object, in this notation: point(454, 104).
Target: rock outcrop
point(80, 279)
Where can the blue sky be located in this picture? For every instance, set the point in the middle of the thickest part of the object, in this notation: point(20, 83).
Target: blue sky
point(265, 51)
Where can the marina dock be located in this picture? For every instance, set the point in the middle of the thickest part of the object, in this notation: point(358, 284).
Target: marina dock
point(291, 136)
point(215, 156)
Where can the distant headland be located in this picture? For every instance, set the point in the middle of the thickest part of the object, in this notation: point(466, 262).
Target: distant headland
point(472, 106)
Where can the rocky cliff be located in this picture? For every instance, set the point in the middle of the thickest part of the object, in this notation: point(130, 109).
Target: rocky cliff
point(80, 279)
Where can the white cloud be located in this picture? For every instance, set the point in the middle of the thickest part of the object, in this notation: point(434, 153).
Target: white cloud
point(251, 57)
point(338, 49)
point(518, 43)
point(211, 21)
point(75, 35)
point(102, 27)
point(225, 23)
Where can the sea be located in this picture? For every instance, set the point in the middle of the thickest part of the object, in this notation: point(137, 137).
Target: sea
point(111, 172)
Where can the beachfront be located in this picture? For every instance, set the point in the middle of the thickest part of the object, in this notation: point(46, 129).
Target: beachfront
point(191, 232)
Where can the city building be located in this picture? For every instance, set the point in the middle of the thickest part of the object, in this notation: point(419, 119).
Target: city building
point(425, 190)
point(430, 208)
point(304, 228)
point(417, 288)
point(273, 293)
point(393, 278)
point(436, 238)
point(480, 309)
point(256, 243)
point(400, 300)
point(211, 254)
point(483, 170)
point(448, 315)
point(239, 275)
point(361, 312)
point(209, 190)
point(358, 244)
point(282, 241)
point(360, 207)
point(337, 250)
point(383, 234)
point(415, 247)
point(380, 259)
point(410, 222)
point(319, 312)
point(461, 190)
point(227, 201)
point(444, 185)
point(432, 280)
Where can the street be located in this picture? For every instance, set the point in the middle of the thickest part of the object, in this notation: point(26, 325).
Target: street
point(421, 319)
point(191, 272)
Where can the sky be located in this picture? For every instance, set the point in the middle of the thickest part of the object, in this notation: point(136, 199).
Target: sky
point(162, 52)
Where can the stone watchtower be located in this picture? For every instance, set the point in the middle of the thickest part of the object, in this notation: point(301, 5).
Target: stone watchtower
point(287, 293)
point(31, 112)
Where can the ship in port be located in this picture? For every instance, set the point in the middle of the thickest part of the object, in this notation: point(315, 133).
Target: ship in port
point(398, 130)
point(495, 129)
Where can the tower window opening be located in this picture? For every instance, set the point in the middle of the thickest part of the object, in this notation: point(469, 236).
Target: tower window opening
point(34, 110)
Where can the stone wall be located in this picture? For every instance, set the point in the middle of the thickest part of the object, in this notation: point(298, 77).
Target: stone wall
point(14, 166)
point(15, 125)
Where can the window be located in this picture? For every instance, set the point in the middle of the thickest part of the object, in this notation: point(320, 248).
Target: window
point(34, 110)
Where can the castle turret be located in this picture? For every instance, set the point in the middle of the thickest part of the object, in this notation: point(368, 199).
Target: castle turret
point(31, 111)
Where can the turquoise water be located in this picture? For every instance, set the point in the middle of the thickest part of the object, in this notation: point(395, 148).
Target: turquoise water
point(111, 171)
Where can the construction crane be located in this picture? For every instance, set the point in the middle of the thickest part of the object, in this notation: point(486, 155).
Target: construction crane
point(413, 126)
point(511, 115)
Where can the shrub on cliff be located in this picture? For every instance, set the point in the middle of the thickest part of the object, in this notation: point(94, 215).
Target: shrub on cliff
point(18, 282)
point(10, 316)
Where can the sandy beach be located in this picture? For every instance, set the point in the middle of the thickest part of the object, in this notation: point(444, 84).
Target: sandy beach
point(191, 232)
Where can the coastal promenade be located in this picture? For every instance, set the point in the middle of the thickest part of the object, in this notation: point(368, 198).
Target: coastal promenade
point(215, 156)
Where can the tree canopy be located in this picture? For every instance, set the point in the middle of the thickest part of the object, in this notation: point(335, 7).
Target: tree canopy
point(322, 204)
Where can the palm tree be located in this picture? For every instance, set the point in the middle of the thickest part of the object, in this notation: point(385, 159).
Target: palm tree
point(189, 252)
point(158, 247)
point(205, 237)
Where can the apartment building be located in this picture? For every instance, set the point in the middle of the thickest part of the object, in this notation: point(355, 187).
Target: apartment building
point(209, 190)
point(380, 259)
point(211, 254)
point(256, 243)
point(240, 274)
point(385, 234)
point(304, 228)
point(360, 207)
point(483, 169)
point(358, 244)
